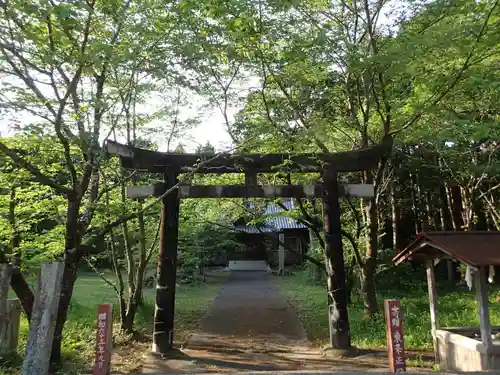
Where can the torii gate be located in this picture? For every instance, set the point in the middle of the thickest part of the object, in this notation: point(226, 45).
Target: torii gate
point(172, 164)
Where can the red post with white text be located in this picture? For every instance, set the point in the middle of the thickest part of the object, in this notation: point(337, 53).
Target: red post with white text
point(104, 340)
point(394, 331)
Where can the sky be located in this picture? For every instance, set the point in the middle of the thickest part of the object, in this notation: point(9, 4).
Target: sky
point(211, 129)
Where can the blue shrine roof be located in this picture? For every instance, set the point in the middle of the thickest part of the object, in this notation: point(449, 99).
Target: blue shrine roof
point(274, 220)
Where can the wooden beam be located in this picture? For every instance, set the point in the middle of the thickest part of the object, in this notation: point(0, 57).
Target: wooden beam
point(154, 161)
point(431, 285)
point(357, 190)
point(255, 191)
point(115, 148)
point(144, 191)
point(483, 309)
point(250, 191)
point(251, 178)
point(338, 318)
point(163, 334)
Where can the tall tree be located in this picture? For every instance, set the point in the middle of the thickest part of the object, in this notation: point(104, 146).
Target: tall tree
point(71, 66)
point(340, 75)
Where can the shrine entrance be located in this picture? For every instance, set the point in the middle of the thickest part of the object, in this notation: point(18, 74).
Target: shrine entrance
point(171, 165)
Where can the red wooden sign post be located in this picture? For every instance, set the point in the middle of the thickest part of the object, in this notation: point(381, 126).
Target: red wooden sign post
point(104, 340)
point(394, 331)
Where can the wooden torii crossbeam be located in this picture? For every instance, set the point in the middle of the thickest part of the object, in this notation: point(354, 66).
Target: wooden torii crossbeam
point(171, 165)
point(249, 191)
point(154, 161)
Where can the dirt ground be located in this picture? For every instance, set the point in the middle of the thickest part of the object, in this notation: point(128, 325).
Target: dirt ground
point(251, 327)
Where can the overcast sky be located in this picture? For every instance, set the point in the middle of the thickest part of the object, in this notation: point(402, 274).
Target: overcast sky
point(212, 128)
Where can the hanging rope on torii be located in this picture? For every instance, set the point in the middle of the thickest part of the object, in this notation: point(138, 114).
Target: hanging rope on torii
point(171, 165)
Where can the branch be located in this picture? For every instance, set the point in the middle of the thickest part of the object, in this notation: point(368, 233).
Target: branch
point(314, 227)
point(466, 65)
point(40, 177)
point(283, 132)
point(491, 189)
point(297, 110)
point(101, 275)
point(29, 82)
point(484, 173)
point(104, 230)
point(111, 187)
point(386, 120)
point(355, 249)
point(153, 245)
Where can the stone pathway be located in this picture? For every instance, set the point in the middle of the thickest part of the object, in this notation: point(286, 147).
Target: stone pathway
point(250, 306)
point(251, 327)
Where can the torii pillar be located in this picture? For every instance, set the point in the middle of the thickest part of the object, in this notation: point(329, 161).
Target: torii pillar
point(338, 319)
point(163, 333)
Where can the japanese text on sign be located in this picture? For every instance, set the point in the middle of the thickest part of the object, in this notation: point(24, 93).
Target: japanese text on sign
point(101, 345)
point(395, 316)
point(395, 341)
point(103, 340)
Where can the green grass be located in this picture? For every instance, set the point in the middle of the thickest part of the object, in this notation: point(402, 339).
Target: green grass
point(457, 308)
point(90, 290)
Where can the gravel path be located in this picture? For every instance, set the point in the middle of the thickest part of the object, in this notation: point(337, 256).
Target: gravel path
point(251, 327)
point(251, 306)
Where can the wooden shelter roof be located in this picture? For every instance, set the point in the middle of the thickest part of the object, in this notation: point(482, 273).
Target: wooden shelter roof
point(477, 248)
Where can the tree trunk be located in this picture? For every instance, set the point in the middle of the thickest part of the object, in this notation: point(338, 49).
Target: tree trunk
point(22, 291)
point(123, 313)
point(446, 225)
point(456, 207)
point(141, 267)
point(494, 218)
point(338, 317)
point(17, 280)
point(370, 216)
point(395, 211)
point(350, 280)
point(369, 267)
point(127, 325)
point(414, 204)
point(444, 209)
point(71, 259)
point(479, 212)
point(432, 225)
point(468, 209)
point(121, 285)
point(68, 283)
point(129, 256)
point(139, 293)
point(494, 222)
point(494, 214)
point(423, 216)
